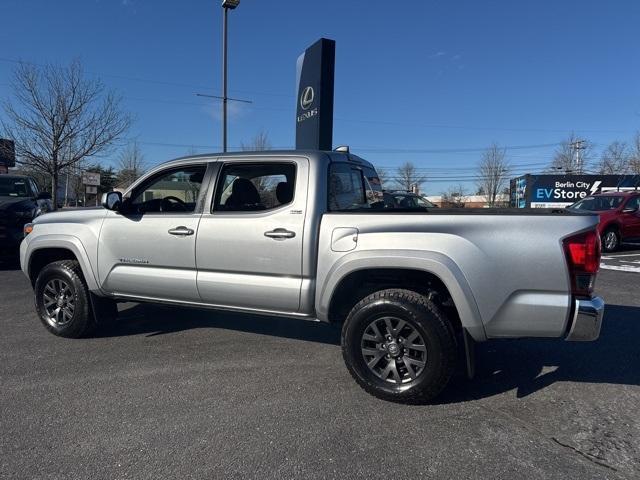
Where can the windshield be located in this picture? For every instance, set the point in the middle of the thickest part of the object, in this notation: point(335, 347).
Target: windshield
point(595, 204)
point(14, 187)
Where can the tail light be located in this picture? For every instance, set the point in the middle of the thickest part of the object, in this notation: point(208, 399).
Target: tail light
point(582, 252)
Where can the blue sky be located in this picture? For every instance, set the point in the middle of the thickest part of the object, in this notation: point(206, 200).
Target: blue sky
point(414, 80)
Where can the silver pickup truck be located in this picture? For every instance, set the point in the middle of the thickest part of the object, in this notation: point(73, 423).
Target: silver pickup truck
point(306, 234)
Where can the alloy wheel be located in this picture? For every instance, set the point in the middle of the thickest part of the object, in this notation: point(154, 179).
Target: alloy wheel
point(59, 302)
point(394, 350)
point(610, 240)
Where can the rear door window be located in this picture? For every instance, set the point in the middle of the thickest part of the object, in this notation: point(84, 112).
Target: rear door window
point(346, 188)
point(244, 187)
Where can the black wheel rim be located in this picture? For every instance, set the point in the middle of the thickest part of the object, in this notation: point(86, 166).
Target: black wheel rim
point(394, 350)
point(59, 302)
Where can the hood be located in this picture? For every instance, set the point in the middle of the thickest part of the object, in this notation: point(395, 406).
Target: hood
point(77, 215)
point(7, 202)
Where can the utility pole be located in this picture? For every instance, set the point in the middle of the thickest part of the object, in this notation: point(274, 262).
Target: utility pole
point(224, 79)
point(226, 6)
point(577, 146)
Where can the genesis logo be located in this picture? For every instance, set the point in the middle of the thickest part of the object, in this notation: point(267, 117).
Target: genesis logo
point(306, 99)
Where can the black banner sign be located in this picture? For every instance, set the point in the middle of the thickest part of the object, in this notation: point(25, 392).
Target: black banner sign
point(314, 110)
point(559, 191)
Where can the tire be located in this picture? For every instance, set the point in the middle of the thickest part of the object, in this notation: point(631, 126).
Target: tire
point(70, 314)
point(413, 355)
point(610, 240)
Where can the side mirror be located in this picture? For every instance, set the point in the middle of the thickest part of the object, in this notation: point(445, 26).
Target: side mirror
point(44, 196)
point(112, 200)
point(630, 210)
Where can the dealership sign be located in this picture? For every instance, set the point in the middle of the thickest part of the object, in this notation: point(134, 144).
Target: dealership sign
point(559, 191)
point(314, 100)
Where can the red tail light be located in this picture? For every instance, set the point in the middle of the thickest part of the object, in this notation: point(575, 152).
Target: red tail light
point(582, 252)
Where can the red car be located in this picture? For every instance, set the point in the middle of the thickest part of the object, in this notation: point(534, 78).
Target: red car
point(619, 216)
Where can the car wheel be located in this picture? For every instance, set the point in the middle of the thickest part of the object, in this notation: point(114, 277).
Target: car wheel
point(399, 346)
point(62, 300)
point(610, 240)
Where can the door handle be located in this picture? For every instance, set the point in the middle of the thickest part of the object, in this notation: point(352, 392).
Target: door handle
point(280, 234)
point(181, 230)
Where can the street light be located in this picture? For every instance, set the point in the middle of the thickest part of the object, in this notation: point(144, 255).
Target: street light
point(226, 6)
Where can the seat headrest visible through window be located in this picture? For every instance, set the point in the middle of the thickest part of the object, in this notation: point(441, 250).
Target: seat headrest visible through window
point(284, 192)
point(243, 194)
point(196, 177)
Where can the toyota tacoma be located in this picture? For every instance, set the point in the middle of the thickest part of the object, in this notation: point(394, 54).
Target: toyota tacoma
point(304, 234)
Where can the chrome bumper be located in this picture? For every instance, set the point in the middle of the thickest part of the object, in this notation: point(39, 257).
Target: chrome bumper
point(587, 320)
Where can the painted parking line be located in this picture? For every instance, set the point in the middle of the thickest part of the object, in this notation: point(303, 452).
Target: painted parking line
point(621, 268)
point(613, 257)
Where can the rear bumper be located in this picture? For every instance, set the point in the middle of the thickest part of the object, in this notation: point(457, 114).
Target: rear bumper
point(587, 320)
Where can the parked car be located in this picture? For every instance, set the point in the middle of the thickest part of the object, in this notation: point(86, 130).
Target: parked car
point(295, 234)
point(20, 203)
point(619, 217)
point(407, 200)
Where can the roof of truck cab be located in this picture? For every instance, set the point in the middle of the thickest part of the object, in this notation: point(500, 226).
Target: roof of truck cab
point(313, 155)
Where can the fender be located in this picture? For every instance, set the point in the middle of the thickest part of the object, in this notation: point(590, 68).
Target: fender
point(435, 263)
point(68, 242)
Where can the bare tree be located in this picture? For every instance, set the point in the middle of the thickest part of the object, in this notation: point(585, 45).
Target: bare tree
point(258, 143)
point(572, 156)
point(455, 197)
point(59, 118)
point(131, 164)
point(634, 159)
point(493, 173)
point(407, 176)
point(383, 175)
point(615, 159)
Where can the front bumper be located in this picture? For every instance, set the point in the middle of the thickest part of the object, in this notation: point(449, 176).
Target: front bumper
point(587, 320)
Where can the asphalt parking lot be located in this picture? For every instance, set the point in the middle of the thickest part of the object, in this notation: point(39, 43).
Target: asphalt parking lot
point(180, 393)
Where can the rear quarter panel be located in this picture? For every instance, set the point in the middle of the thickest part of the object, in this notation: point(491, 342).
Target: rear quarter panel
point(506, 273)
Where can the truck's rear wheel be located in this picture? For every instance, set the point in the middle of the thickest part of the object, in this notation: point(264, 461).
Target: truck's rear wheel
point(62, 300)
point(398, 346)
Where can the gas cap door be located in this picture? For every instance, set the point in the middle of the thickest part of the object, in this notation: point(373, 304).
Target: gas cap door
point(344, 239)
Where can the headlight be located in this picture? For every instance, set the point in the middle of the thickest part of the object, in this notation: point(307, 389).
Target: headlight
point(27, 229)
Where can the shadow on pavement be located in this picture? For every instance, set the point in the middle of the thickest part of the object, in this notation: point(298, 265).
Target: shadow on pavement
point(503, 365)
point(160, 320)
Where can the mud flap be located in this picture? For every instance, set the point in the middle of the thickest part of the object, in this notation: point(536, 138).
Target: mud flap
point(470, 353)
point(103, 309)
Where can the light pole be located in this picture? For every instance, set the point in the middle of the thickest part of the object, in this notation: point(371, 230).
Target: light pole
point(226, 6)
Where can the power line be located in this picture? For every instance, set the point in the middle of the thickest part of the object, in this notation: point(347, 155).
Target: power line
point(338, 119)
point(148, 80)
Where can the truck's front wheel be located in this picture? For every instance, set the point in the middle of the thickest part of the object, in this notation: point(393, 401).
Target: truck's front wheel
point(62, 300)
point(398, 346)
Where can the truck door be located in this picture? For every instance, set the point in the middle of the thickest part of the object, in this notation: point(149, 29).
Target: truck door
point(249, 245)
point(148, 250)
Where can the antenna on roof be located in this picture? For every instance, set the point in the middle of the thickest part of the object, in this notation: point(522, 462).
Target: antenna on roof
point(342, 148)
